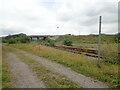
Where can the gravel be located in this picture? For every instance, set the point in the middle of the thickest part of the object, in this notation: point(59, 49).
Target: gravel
point(23, 76)
point(82, 80)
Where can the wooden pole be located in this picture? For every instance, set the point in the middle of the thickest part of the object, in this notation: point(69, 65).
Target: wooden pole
point(99, 41)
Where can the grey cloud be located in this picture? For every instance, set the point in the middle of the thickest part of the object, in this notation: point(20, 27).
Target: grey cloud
point(64, 17)
point(9, 31)
point(107, 9)
point(89, 21)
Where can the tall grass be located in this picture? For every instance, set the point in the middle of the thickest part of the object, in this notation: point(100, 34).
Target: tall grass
point(107, 73)
point(109, 52)
point(109, 46)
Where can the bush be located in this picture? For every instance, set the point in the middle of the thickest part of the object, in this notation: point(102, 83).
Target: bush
point(4, 40)
point(50, 43)
point(67, 42)
point(18, 38)
point(24, 39)
point(117, 38)
point(11, 41)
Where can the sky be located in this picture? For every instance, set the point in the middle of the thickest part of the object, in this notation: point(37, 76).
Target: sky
point(42, 17)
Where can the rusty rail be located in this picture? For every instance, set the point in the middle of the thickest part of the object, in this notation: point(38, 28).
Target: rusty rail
point(87, 52)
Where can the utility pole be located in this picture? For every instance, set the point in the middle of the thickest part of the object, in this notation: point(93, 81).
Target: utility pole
point(99, 41)
point(57, 30)
point(79, 32)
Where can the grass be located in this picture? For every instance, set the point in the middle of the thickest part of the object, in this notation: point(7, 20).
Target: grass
point(0, 66)
point(109, 45)
point(6, 78)
point(108, 72)
point(85, 39)
point(51, 78)
point(109, 52)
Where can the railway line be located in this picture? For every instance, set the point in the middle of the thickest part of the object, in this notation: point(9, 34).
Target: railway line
point(87, 52)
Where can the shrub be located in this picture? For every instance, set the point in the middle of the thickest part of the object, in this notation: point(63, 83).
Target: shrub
point(4, 40)
point(11, 41)
point(67, 42)
point(18, 38)
point(50, 43)
point(24, 39)
point(117, 38)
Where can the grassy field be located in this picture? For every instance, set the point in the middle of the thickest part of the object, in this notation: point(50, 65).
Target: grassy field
point(109, 45)
point(108, 72)
point(87, 39)
point(109, 52)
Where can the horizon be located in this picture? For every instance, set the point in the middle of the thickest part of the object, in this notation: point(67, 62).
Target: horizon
point(58, 35)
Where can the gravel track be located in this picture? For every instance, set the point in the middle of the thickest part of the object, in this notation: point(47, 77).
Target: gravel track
point(24, 77)
point(82, 80)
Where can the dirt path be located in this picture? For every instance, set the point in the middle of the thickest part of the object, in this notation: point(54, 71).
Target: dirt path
point(24, 78)
point(85, 82)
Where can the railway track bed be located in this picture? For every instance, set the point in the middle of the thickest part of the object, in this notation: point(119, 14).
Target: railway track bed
point(87, 52)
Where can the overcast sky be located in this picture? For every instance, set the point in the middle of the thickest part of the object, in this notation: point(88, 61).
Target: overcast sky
point(42, 17)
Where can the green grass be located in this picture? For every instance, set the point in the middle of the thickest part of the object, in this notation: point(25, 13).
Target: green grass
point(6, 78)
point(88, 39)
point(51, 78)
point(108, 73)
point(109, 46)
point(109, 52)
